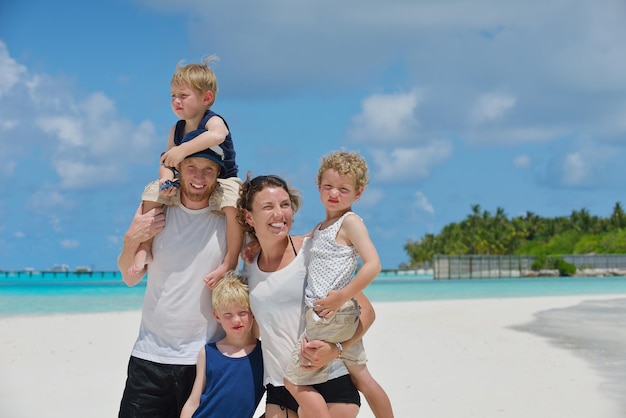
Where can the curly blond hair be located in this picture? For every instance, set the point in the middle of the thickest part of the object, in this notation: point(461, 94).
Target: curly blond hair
point(345, 163)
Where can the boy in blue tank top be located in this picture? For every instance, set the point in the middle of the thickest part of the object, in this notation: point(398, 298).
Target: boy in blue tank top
point(194, 88)
point(229, 373)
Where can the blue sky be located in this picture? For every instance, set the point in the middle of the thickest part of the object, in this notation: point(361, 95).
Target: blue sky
point(518, 105)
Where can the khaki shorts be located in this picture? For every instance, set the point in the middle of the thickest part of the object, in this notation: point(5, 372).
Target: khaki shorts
point(339, 328)
point(151, 194)
point(230, 191)
point(226, 194)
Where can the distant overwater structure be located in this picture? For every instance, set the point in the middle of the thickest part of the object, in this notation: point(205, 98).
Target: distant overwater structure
point(446, 267)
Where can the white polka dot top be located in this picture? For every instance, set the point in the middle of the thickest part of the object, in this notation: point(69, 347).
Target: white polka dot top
point(332, 266)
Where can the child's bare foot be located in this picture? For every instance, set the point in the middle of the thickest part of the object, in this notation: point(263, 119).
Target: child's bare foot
point(142, 258)
point(215, 276)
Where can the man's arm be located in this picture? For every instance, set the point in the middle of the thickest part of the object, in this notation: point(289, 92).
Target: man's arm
point(142, 228)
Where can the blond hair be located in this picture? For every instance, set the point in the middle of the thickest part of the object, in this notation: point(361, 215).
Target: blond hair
point(200, 77)
point(345, 163)
point(231, 289)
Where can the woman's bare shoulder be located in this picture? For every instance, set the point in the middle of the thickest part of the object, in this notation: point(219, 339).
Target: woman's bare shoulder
point(298, 240)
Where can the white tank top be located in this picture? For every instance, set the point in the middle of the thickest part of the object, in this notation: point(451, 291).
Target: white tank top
point(276, 300)
point(332, 266)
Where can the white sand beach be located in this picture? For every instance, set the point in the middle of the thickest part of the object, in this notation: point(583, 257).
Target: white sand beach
point(435, 359)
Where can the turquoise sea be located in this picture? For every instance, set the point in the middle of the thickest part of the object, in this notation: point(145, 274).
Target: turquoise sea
point(27, 293)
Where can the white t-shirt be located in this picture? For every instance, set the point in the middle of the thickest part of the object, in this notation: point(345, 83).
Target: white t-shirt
point(276, 300)
point(177, 318)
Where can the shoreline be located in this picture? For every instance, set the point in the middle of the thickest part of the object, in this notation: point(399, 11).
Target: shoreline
point(444, 358)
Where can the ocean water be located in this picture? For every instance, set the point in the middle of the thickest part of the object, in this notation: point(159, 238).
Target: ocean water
point(49, 293)
point(391, 288)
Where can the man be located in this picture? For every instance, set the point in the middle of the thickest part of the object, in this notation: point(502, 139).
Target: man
point(176, 318)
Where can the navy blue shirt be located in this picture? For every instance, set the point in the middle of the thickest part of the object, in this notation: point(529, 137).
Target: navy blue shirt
point(234, 386)
point(227, 146)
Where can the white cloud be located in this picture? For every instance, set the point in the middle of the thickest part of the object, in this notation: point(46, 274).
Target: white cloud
point(46, 200)
point(19, 235)
point(594, 58)
point(8, 125)
point(557, 57)
point(522, 161)
point(422, 203)
point(11, 73)
point(69, 243)
point(512, 135)
point(386, 118)
point(410, 164)
point(576, 171)
point(491, 106)
point(79, 175)
point(8, 169)
point(95, 144)
point(113, 239)
point(84, 140)
point(65, 128)
point(611, 126)
point(586, 166)
point(55, 222)
point(371, 197)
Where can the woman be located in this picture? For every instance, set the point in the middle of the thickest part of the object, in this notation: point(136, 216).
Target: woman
point(276, 279)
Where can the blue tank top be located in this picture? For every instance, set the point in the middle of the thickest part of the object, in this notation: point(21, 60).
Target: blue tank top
point(234, 386)
point(227, 146)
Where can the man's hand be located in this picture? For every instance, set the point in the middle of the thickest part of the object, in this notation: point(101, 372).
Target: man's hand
point(145, 226)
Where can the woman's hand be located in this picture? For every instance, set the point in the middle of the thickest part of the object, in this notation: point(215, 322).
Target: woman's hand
point(318, 353)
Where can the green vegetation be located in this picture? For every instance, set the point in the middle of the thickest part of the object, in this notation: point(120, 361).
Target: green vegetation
point(482, 232)
point(554, 262)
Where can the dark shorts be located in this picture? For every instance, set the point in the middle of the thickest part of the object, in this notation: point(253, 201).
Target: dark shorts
point(339, 390)
point(156, 390)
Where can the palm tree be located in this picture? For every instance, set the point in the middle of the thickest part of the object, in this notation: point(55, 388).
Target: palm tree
point(618, 217)
point(531, 225)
